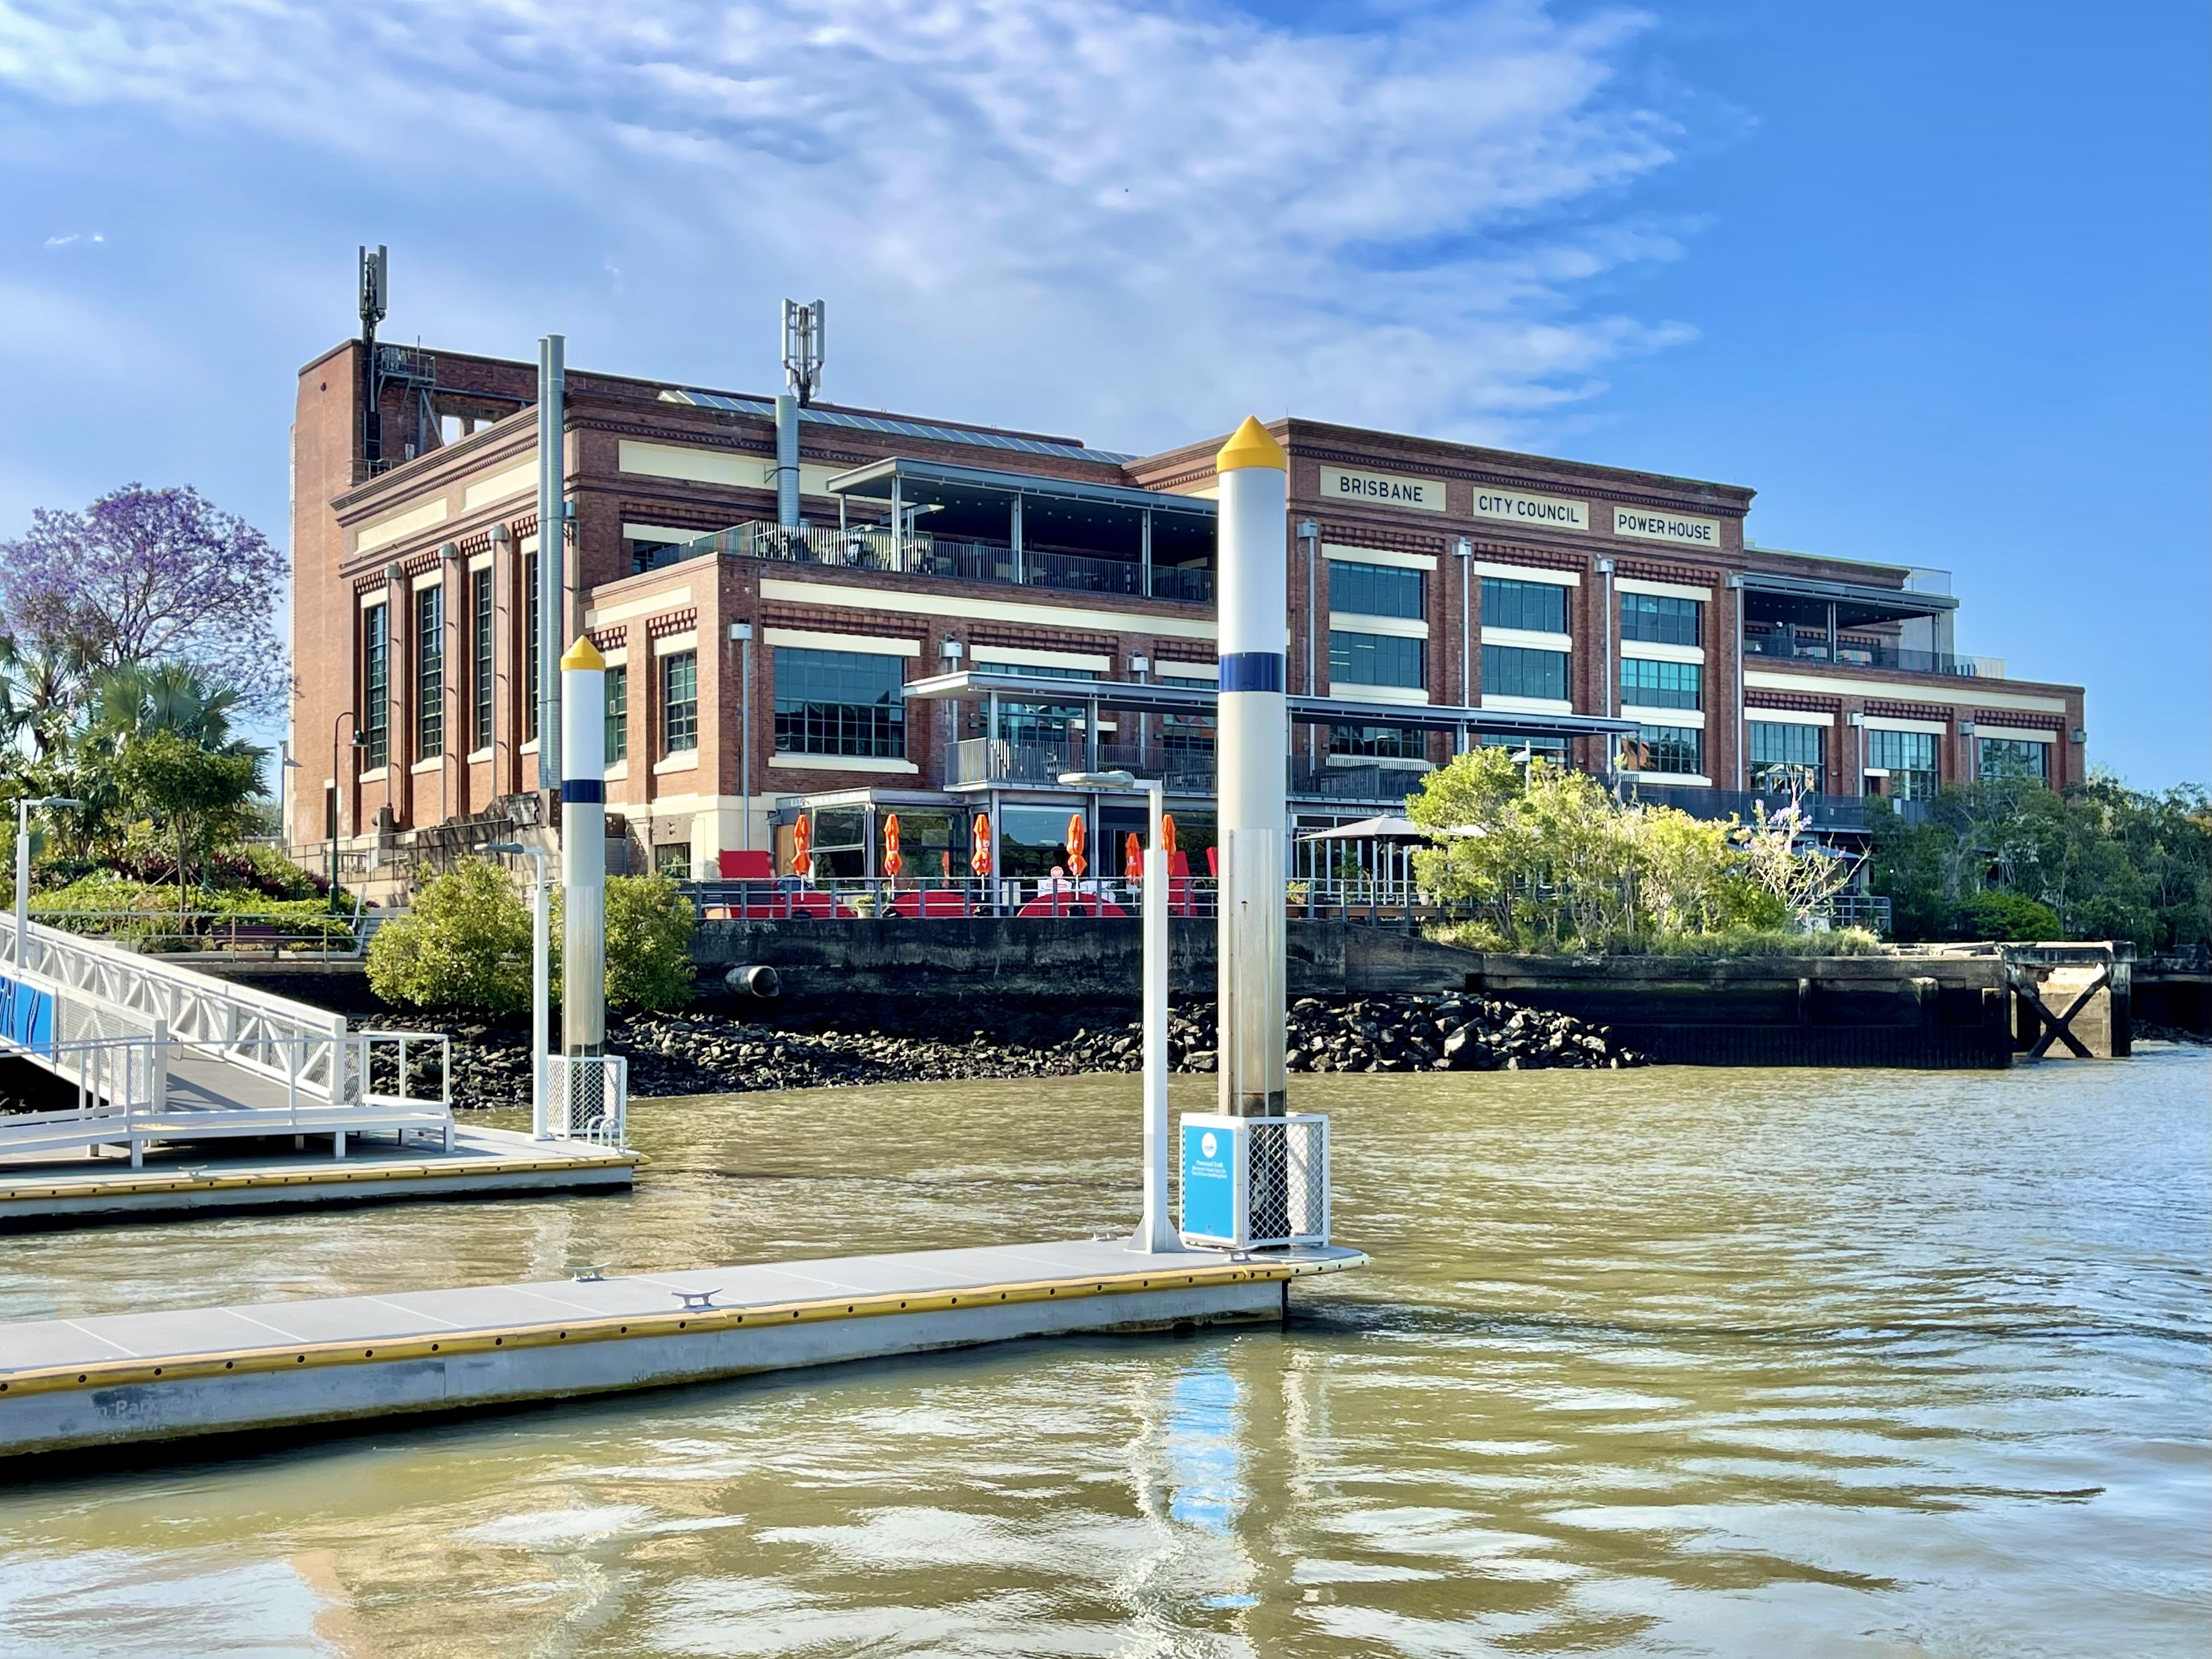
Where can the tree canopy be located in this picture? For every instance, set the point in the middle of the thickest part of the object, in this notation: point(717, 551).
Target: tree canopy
point(143, 576)
point(2008, 857)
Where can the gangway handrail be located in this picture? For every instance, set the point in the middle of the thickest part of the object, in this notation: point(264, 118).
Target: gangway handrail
point(230, 1021)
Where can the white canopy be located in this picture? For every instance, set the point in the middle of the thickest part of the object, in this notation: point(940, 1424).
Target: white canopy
point(1372, 829)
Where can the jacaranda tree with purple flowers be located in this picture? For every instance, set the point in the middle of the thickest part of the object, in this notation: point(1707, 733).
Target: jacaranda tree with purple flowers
point(151, 575)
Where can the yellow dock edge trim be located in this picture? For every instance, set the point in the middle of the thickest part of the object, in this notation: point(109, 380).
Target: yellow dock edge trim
point(113, 1374)
point(94, 1187)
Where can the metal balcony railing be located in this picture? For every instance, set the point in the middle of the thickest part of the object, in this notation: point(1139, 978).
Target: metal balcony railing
point(921, 553)
point(1856, 652)
point(1822, 812)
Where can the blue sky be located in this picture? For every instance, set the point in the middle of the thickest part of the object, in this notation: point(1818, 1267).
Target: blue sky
point(1932, 279)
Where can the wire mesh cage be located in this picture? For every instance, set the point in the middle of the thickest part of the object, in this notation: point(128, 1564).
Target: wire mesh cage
point(1255, 1183)
point(590, 1098)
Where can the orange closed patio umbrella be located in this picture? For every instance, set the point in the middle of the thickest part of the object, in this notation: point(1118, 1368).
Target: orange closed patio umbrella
point(892, 862)
point(1133, 857)
point(1076, 862)
point(1167, 834)
point(802, 847)
point(979, 850)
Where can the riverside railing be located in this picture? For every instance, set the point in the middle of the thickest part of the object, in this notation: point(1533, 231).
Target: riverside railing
point(227, 932)
point(1373, 899)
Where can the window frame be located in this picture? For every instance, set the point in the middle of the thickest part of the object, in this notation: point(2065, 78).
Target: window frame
point(1377, 649)
point(1661, 696)
point(1507, 664)
point(429, 620)
point(679, 716)
point(1506, 602)
point(1640, 612)
point(871, 727)
point(374, 715)
point(1361, 582)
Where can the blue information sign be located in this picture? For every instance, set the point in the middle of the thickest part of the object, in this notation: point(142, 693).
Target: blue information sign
point(1209, 1182)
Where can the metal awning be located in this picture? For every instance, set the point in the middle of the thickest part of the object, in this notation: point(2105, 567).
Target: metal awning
point(1110, 521)
point(1132, 696)
point(1855, 604)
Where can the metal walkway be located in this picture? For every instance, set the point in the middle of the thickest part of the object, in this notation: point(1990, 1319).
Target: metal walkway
point(157, 1051)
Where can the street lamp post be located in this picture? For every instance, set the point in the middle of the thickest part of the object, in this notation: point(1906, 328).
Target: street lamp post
point(23, 809)
point(541, 981)
point(1156, 1232)
point(338, 792)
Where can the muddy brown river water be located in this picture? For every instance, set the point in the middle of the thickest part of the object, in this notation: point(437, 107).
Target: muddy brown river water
point(1667, 1361)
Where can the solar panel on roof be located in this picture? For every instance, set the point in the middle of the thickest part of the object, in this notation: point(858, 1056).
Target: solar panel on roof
point(908, 429)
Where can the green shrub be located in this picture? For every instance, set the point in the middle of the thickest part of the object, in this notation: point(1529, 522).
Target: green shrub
point(1998, 915)
point(648, 942)
point(466, 943)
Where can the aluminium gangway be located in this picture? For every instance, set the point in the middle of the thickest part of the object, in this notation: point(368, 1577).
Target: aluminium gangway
point(157, 1051)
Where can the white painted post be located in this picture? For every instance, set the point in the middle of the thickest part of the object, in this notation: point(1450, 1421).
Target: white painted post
point(541, 998)
point(22, 882)
point(1158, 1231)
point(583, 853)
point(1252, 763)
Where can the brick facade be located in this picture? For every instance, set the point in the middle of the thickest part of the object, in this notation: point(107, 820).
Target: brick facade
point(465, 500)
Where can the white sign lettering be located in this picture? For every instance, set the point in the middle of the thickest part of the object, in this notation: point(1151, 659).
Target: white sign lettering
point(1646, 525)
point(1548, 511)
point(1384, 489)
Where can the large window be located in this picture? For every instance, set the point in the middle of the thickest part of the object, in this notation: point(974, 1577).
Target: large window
point(530, 647)
point(1186, 734)
point(429, 672)
point(1510, 671)
point(480, 649)
point(1376, 660)
point(679, 702)
point(1539, 607)
point(1784, 754)
point(1661, 620)
point(2014, 757)
point(1909, 758)
point(1373, 590)
point(1379, 742)
point(375, 712)
point(1677, 749)
point(840, 703)
point(617, 715)
point(1648, 685)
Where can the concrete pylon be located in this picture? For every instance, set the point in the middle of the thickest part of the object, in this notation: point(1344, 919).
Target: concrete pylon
point(1252, 760)
point(584, 851)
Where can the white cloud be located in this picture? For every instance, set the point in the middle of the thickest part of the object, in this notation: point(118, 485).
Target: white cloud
point(1136, 221)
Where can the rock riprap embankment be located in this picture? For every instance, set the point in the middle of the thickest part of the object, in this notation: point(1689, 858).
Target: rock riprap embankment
point(706, 1053)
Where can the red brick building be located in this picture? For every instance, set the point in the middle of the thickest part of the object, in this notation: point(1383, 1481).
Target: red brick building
point(967, 611)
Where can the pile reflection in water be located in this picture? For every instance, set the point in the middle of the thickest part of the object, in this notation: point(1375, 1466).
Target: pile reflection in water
point(1675, 1361)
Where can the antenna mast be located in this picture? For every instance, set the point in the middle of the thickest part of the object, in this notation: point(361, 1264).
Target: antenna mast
point(802, 372)
point(374, 296)
point(802, 348)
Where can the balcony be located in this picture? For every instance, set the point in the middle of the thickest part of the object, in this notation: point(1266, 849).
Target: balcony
point(919, 552)
point(1862, 652)
point(1846, 814)
point(1001, 763)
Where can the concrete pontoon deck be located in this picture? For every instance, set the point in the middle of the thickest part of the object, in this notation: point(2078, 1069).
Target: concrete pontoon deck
point(67, 1188)
point(120, 1378)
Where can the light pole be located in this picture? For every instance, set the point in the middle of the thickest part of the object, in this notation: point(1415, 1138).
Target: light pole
point(338, 792)
point(1156, 1232)
point(23, 808)
point(541, 981)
